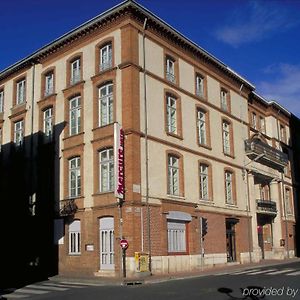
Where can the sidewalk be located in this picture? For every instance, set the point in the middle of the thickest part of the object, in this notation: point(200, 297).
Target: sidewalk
point(109, 281)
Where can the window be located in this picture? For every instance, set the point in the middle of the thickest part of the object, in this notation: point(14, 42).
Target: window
point(106, 170)
point(1, 101)
point(106, 104)
point(204, 181)
point(226, 137)
point(288, 207)
point(253, 120)
point(74, 177)
point(75, 71)
point(201, 125)
point(262, 124)
point(176, 236)
point(171, 114)
point(106, 57)
point(106, 228)
point(282, 133)
point(229, 187)
point(264, 191)
point(74, 237)
point(75, 115)
point(224, 100)
point(173, 175)
point(18, 132)
point(48, 122)
point(199, 85)
point(170, 70)
point(49, 84)
point(21, 91)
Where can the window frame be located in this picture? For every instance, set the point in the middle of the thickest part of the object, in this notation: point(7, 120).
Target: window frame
point(21, 91)
point(76, 111)
point(76, 170)
point(177, 228)
point(109, 163)
point(288, 203)
point(48, 133)
point(109, 100)
point(75, 78)
point(75, 238)
point(225, 95)
point(203, 175)
point(1, 100)
point(49, 89)
point(103, 66)
point(200, 92)
point(232, 191)
point(19, 132)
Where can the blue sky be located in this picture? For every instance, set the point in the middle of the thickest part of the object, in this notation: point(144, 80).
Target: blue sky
point(258, 39)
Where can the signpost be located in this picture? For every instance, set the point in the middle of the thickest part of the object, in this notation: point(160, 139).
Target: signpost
point(124, 245)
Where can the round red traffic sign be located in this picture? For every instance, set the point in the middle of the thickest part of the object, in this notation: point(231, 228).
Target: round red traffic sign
point(124, 244)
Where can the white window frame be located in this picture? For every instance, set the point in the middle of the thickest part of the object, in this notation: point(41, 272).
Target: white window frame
point(106, 106)
point(75, 71)
point(262, 124)
point(48, 122)
point(1, 101)
point(172, 114)
point(21, 91)
point(226, 137)
point(199, 85)
point(107, 239)
point(176, 236)
point(204, 181)
point(173, 175)
point(106, 57)
point(19, 133)
point(229, 187)
point(106, 170)
point(224, 100)
point(75, 238)
point(201, 124)
point(75, 115)
point(49, 83)
point(170, 69)
point(74, 177)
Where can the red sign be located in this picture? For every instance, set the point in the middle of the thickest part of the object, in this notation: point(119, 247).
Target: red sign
point(119, 137)
point(124, 244)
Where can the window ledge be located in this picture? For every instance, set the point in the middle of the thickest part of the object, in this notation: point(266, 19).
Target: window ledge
point(102, 193)
point(74, 254)
point(208, 147)
point(178, 136)
point(229, 205)
point(229, 155)
point(72, 136)
point(207, 202)
point(176, 197)
point(72, 198)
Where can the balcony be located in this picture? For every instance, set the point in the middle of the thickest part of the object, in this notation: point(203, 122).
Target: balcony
point(266, 207)
point(265, 154)
point(68, 207)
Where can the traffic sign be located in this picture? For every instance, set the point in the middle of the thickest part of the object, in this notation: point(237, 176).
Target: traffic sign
point(124, 244)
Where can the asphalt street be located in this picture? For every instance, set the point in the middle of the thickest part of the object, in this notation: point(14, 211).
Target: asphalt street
point(276, 282)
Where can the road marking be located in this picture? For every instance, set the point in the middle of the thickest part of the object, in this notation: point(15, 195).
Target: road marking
point(62, 285)
point(244, 272)
point(261, 272)
point(281, 272)
point(14, 296)
point(30, 291)
point(81, 283)
point(51, 288)
point(293, 274)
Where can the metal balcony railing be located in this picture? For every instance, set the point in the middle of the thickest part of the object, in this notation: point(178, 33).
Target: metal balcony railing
point(68, 207)
point(269, 155)
point(266, 206)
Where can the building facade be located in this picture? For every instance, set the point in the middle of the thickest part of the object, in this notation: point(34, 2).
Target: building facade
point(208, 162)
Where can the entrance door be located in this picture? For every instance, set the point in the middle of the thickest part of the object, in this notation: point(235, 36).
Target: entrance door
point(106, 230)
point(260, 234)
point(230, 242)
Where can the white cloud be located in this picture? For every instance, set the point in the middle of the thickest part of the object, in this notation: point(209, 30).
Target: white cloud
point(254, 22)
point(285, 88)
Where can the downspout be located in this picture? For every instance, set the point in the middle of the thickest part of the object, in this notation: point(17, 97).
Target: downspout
point(146, 149)
point(282, 195)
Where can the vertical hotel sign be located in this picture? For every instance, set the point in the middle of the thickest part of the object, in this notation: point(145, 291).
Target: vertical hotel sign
point(119, 161)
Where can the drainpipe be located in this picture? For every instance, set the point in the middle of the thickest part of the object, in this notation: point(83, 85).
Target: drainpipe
point(146, 149)
point(283, 198)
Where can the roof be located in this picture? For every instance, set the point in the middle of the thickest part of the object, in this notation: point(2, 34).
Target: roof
point(101, 19)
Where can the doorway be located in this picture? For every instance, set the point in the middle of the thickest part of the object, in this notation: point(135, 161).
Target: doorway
point(230, 241)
